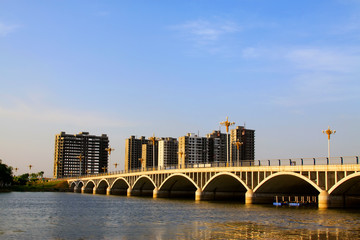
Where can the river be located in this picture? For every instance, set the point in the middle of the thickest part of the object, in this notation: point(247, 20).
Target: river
point(48, 215)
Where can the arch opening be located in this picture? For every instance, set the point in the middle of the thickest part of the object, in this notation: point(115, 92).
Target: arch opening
point(144, 186)
point(102, 186)
point(88, 188)
point(78, 187)
point(286, 187)
point(119, 187)
point(72, 187)
point(177, 186)
point(346, 193)
point(224, 187)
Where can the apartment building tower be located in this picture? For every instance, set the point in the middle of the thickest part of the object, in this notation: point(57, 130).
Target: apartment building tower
point(133, 152)
point(247, 149)
point(148, 158)
point(79, 154)
point(168, 152)
point(217, 146)
point(193, 150)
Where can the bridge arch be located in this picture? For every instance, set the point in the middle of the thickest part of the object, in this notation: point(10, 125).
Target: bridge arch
point(119, 186)
point(288, 184)
point(89, 186)
point(224, 185)
point(78, 186)
point(350, 185)
point(102, 186)
point(72, 186)
point(143, 186)
point(178, 185)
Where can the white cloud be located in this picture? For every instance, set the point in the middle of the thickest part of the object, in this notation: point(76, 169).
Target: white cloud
point(323, 60)
point(5, 29)
point(205, 32)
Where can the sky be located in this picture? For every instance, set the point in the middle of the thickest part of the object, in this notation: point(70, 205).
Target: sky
point(287, 69)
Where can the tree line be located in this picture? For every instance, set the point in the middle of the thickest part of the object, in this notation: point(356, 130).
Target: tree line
point(7, 178)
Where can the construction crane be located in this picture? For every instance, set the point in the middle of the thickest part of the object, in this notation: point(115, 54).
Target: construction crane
point(227, 124)
point(153, 139)
point(238, 144)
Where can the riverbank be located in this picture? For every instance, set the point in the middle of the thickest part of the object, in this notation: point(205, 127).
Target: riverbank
point(41, 186)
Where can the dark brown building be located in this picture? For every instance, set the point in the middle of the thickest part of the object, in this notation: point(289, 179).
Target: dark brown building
point(79, 154)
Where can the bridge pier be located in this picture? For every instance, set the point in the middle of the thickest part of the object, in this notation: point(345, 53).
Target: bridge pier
point(160, 194)
point(128, 192)
point(198, 194)
point(83, 189)
point(108, 191)
point(323, 200)
point(94, 190)
point(249, 197)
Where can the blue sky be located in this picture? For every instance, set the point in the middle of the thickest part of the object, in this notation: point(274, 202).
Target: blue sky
point(286, 68)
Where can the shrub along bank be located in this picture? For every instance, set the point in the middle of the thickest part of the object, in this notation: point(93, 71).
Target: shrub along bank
point(42, 186)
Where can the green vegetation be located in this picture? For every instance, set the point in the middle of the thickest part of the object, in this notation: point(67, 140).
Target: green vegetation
point(28, 182)
point(5, 175)
point(43, 186)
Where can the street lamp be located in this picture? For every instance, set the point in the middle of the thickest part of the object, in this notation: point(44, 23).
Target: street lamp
point(109, 150)
point(153, 139)
point(104, 168)
point(115, 164)
point(141, 163)
point(80, 157)
point(329, 132)
point(238, 144)
point(227, 124)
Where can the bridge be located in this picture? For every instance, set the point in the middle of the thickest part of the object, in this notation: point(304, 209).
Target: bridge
point(327, 182)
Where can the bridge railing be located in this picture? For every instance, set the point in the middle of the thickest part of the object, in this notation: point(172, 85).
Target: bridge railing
point(243, 163)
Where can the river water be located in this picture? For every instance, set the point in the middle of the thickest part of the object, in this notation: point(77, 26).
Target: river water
point(28, 215)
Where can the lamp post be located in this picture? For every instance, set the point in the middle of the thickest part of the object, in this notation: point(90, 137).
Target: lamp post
point(238, 144)
point(80, 157)
point(329, 132)
point(115, 164)
point(227, 124)
point(141, 163)
point(104, 168)
point(153, 139)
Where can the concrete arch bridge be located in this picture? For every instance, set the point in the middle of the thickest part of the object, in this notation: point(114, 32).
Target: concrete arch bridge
point(335, 185)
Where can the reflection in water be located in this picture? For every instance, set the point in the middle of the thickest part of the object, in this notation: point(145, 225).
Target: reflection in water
point(86, 216)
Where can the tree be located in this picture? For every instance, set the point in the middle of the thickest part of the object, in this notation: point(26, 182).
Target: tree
point(22, 179)
point(5, 175)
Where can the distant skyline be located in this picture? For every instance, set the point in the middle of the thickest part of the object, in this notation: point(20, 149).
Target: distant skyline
point(288, 69)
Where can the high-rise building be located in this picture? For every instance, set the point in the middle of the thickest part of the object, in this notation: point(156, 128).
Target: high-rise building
point(247, 149)
point(78, 154)
point(133, 152)
point(193, 150)
point(150, 161)
point(168, 148)
point(217, 146)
